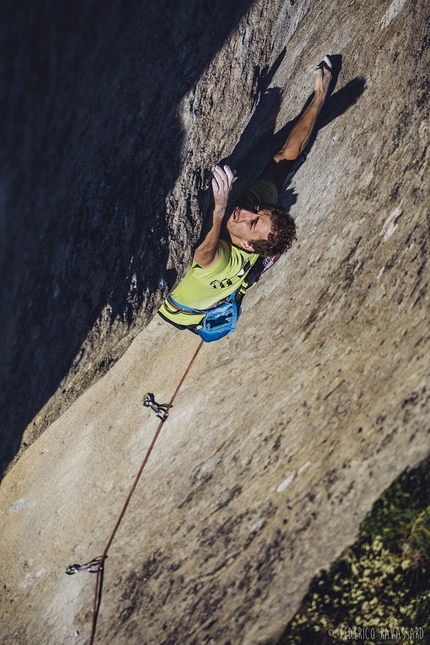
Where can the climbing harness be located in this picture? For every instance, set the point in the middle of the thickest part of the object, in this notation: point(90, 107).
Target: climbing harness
point(160, 409)
point(218, 321)
point(92, 567)
point(99, 562)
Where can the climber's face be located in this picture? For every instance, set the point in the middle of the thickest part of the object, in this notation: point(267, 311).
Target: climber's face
point(244, 226)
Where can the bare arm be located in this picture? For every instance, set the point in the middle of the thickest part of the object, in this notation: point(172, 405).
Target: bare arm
point(206, 254)
point(301, 133)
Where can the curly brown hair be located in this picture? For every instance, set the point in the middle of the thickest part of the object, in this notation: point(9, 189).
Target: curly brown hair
point(283, 231)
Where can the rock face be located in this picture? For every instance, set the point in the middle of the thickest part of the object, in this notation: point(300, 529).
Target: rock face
point(284, 433)
point(92, 168)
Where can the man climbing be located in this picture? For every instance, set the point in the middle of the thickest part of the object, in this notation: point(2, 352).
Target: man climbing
point(233, 239)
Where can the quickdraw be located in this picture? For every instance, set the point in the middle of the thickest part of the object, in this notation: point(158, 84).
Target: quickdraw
point(160, 409)
point(95, 566)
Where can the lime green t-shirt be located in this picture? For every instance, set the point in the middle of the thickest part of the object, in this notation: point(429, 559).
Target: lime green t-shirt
point(203, 288)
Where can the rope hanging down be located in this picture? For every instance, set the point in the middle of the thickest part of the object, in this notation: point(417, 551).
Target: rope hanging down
point(100, 560)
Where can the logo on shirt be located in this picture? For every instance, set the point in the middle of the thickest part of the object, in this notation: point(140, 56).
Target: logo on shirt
point(221, 284)
point(228, 282)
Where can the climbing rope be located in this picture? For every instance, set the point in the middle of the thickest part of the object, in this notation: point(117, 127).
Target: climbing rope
point(99, 562)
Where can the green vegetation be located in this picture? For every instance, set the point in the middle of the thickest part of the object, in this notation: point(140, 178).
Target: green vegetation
point(379, 590)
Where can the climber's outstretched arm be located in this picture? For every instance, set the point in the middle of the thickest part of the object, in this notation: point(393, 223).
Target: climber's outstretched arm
point(283, 161)
point(301, 133)
point(206, 254)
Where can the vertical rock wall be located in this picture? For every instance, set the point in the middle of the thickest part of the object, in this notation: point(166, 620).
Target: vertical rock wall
point(287, 431)
point(92, 148)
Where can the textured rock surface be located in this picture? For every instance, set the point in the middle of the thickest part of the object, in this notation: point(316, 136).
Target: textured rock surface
point(285, 433)
point(93, 160)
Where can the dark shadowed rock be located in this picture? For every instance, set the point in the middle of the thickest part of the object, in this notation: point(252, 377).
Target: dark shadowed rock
point(92, 147)
point(284, 433)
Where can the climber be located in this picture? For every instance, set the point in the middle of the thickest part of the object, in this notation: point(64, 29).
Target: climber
point(233, 239)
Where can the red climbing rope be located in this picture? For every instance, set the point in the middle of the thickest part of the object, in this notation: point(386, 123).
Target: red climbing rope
point(99, 580)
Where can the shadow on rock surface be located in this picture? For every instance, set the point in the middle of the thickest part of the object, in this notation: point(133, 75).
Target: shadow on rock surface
point(259, 141)
point(91, 147)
